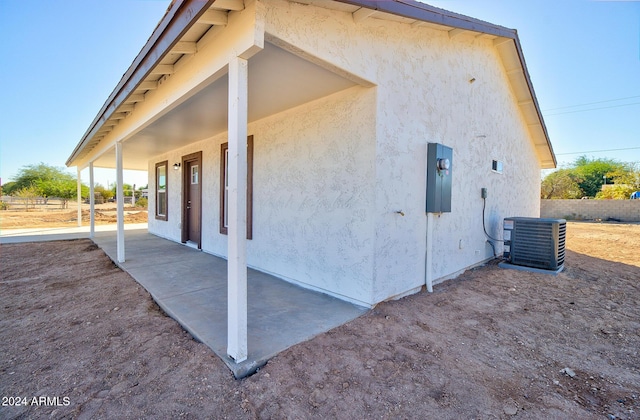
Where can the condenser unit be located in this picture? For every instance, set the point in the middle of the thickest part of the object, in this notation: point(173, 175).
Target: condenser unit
point(536, 243)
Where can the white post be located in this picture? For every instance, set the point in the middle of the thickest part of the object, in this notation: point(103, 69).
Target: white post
point(133, 196)
point(120, 203)
point(92, 203)
point(237, 211)
point(79, 193)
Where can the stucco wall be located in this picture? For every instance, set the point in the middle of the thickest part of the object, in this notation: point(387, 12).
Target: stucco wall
point(424, 95)
point(623, 210)
point(331, 175)
point(313, 194)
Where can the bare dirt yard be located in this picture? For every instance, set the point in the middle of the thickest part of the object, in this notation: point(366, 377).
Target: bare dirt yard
point(492, 344)
point(104, 214)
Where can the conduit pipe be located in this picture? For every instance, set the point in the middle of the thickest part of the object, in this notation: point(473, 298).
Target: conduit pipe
point(428, 260)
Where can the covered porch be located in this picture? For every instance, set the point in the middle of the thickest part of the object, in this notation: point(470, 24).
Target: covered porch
point(191, 287)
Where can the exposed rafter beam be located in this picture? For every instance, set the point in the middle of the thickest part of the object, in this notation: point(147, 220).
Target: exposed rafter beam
point(119, 115)
point(184, 47)
point(163, 69)
point(362, 14)
point(134, 98)
point(235, 5)
point(525, 102)
point(214, 17)
point(514, 71)
point(500, 40)
point(455, 32)
point(147, 85)
point(126, 108)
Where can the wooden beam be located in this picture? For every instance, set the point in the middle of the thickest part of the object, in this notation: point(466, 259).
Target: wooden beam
point(362, 14)
point(455, 32)
point(235, 5)
point(120, 204)
point(214, 17)
point(119, 116)
point(184, 47)
point(150, 85)
point(163, 69)
point(134, 98)
point(514, 71)
point(500, 41)
point(126, 108)
point(237, 211)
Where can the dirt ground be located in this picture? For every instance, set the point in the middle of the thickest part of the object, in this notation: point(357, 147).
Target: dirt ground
point(491, 344)
point(104, 214)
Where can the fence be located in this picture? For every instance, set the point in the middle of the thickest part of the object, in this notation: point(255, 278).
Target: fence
point(44, 204)
point(615, 210)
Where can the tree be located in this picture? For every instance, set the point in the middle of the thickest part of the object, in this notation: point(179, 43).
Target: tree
point(126, 189)
point(561, 184)
point(28, 195)
point(593, 173)
point(9, 188)
point(49, 181)
point(585, 177)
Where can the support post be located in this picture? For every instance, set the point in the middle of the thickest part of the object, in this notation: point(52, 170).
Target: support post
point(120, 204)
point(237, 211)
point(92, 203)
point(79, 195)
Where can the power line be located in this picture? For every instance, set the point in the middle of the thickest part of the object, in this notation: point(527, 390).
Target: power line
point(591, 103)
point(592, 109)
point(597, 151)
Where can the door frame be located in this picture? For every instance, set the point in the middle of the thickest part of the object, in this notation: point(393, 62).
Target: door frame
point(186, 182)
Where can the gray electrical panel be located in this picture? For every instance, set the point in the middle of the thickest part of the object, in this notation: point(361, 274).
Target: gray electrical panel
point(439, 168)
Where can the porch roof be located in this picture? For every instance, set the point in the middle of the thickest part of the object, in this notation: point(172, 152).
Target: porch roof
point(186, 22)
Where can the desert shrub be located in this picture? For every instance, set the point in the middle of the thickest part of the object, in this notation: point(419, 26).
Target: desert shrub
point(142, 202)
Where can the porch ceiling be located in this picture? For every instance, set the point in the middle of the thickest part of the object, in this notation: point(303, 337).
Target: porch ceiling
point(278, 80)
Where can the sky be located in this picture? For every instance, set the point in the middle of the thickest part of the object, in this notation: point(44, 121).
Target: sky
point(61, 60)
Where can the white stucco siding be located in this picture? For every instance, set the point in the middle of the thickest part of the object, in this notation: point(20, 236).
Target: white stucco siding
point(424, 95)
point(331, 175)
point(313, 192)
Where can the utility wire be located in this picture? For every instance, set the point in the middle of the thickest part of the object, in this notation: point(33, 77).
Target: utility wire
point(598, 151)
point(591, 103)
point(592, 109)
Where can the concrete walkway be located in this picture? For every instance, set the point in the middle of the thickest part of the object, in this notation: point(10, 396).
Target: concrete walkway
point(14, 236)
point(191, 287)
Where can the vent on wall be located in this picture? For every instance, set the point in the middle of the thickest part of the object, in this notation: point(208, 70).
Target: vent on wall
point(536, 243)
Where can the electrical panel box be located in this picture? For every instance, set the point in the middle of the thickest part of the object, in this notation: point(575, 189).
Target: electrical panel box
point(439, 169)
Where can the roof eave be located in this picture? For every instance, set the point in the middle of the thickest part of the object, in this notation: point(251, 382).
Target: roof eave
point(424, 12)
point(180, 16)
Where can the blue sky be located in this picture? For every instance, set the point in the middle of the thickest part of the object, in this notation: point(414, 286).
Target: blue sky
point(61, 59)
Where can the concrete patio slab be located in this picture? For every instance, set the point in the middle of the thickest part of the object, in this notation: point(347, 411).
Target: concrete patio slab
point(191, 287)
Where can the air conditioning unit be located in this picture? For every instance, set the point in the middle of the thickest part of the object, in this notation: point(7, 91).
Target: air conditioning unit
point(536, 243)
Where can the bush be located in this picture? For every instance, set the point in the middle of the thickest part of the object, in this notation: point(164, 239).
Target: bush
point(142, 202)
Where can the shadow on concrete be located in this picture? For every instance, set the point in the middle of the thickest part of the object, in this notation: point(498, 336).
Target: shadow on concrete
point(191, 287)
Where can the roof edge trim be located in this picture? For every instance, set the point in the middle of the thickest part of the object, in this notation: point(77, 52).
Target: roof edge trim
point(179, 17)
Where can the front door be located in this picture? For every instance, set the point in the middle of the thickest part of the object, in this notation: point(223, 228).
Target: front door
point(192, 198)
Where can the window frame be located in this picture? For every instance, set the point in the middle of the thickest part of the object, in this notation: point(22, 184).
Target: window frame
point(224, 147)
point(158, 214)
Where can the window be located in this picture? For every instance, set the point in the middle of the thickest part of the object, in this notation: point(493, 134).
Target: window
point(194, 174)
point(224, 187)
point(496, 166)
point(161, 190)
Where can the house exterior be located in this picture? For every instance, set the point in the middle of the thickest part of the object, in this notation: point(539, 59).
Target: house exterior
point(292, 137)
